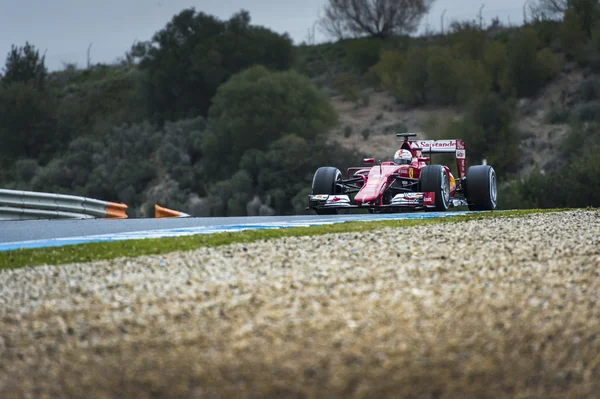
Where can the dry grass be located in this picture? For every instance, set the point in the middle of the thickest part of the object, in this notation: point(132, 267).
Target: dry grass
point(490, 308)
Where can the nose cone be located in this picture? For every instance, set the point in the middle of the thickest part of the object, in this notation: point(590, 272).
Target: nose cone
point(370, 191)
point(365, 196)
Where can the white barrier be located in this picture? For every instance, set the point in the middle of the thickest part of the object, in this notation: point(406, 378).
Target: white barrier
point(24, 205)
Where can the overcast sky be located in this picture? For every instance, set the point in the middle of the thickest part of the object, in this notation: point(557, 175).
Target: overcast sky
point(63, 29)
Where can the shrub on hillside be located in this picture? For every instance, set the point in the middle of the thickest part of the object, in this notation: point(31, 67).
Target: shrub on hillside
point(389, 71)
point(548, 32)
point(25, 65)
point(453, 79)
point(348, 85)
point(414, 75)
point(579, 155)
point(108, 97)
point(538, 190)
point(363, 53)
point(528, 68)
point(195, 53)
point(550, 64)
point(573, 36)
point(257, 107)
point(123, 164)
point(474, 81)
point(495, 59)
point(489, 132)
point(443, 76)
point(28, 126)
point(468, 39)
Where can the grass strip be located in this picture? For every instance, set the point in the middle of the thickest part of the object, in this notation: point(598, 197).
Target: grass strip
point(90, 252)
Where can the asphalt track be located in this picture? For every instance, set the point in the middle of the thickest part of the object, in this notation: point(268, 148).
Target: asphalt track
point(50, 233)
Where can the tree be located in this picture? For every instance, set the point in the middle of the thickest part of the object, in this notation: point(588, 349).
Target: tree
point(549, 8)
point(586, 13)
point(527, 72)
point(28, 127)
point(195, 53)
point(255, 108)
point(375, 18)
point(24, 65)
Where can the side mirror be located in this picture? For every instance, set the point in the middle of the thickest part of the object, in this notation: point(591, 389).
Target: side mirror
point(369, 161)
point(421, 159)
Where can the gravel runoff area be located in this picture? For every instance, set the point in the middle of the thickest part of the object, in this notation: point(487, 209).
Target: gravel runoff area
point(491, 308)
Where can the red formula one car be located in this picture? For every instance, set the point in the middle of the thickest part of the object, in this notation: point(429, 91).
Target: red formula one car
point(410, 182)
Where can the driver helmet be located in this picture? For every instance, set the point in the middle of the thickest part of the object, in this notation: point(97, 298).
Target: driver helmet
point(403, 157)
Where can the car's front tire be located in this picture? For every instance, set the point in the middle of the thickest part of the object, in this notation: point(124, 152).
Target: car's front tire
point(481, 190)
point(325, 182)
point(434, 178)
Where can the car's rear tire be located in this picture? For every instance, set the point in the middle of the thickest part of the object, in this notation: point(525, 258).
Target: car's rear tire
point(434, 178)
point(481, 191)
point(324, 182)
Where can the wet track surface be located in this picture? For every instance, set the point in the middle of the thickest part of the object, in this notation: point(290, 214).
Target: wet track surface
point(42, 233)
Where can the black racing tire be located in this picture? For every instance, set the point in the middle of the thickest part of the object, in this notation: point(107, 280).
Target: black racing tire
point(324, 182)
point(481, 191)
point(434, 178)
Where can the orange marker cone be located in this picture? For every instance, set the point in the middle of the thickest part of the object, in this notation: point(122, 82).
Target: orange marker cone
point(160, 212)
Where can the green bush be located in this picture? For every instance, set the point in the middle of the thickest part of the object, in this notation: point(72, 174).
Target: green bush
point(469, 40)
point(26, 169)
point(414, 77)
point(25, 65)
point(526, 73)
point(363, 53)
point(474, 81)
point(548, 32)
point(347, 131)
point(347, 84)
point(550, 64)
point(584, 190)
point(443, 81)
point(28, 126)
point(572, 36)
point(195, 53)
point(257, 107)
point(495, 59)
point(124, 164)
point(539, 189)
point(389, 71)
point(489, 132)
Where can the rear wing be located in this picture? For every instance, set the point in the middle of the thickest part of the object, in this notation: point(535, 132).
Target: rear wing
point(456, 146)
point(448, 146)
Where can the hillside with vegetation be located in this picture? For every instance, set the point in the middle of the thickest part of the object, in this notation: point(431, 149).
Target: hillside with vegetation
point(223, 117)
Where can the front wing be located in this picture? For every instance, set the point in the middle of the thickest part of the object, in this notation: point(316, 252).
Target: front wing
point(411, 200)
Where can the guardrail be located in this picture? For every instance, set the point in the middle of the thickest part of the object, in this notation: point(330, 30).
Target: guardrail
point(25, 205)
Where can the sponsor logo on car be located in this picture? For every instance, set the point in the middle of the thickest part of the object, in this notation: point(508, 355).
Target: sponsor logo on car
point(437, 143)
point(429, 198)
